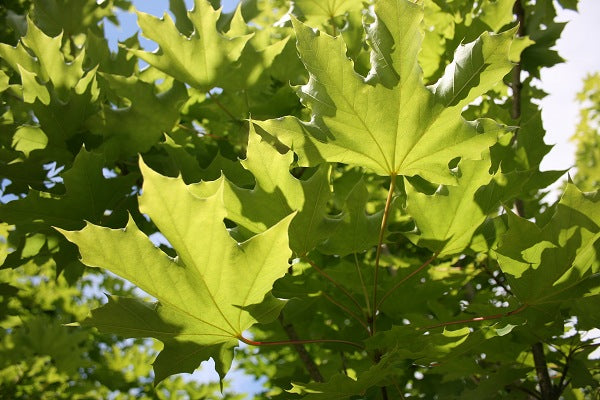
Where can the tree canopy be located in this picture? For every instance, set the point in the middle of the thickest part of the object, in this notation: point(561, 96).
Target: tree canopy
point(340, 199)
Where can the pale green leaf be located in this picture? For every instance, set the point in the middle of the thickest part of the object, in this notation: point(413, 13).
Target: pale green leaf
point(197, 60)
point(391, 123)
point(276, 194)
point(203, 293)
point(448, 219)
point(559, 260)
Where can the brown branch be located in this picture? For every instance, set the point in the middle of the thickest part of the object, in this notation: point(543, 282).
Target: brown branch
point(309, 363)
point(541, 370)
point(293, 342)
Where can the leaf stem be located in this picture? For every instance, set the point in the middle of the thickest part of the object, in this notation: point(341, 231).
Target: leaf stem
point(407, 277)
point(294, 342)
point(346, 309)
point(477, 319)
point(221, 106)
point(333, 281)
point(384, 220)
point(362, 282)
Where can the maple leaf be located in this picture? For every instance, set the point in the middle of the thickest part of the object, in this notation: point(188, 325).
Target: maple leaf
point(284, 193)
point(390, 122)
point(207, 296)
point(448, 219)
point(323, 11)
point(88, 195)
point(129, 130)
point(197, 60)
point(559, 260)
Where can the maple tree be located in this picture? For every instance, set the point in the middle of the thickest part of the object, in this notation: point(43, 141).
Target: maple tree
point(343, 196)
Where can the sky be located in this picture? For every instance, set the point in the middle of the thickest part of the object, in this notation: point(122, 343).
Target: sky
point(559, 108)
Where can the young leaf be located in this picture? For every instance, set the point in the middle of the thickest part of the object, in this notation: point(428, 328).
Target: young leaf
point(391, 123)
point(207, 296)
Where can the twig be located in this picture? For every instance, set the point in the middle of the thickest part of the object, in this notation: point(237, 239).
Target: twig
point(222, 107)
point(346, 309)
point(293, 342)
point(362, 283)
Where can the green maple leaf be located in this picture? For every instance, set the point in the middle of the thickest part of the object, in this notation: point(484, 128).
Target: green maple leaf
point(207, 296)
point(319, 12)
point(39, 59)
point(391, 122)
point(341, 387)
point(88, 195)
point(129, 130)
point(448, 219)
point(355, 231)
point(558, 261)
point(276, 194)
point(197, 60)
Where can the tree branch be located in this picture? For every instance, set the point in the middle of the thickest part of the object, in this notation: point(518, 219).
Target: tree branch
point(541, 370)
point(309, 363)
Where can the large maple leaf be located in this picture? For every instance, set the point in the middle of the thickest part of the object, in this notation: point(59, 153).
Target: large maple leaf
point(390, 122)
point(207, 296)
point(197, 60)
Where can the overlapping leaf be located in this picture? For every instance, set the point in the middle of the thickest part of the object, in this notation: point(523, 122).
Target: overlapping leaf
point(198, 59)
point(391, 123)
point(207, 296)
point(88, 195)
point(39, 58)
point(135, 128)
point(448, 219)
point(558, 261)
point(276, 194)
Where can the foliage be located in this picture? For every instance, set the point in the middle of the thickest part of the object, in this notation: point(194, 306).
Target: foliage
point(344, 197)
point(588, 134)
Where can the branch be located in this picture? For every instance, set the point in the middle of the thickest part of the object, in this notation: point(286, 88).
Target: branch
point(309, 364)
point(541, 370)
point(386, 214)
point(222, 107)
